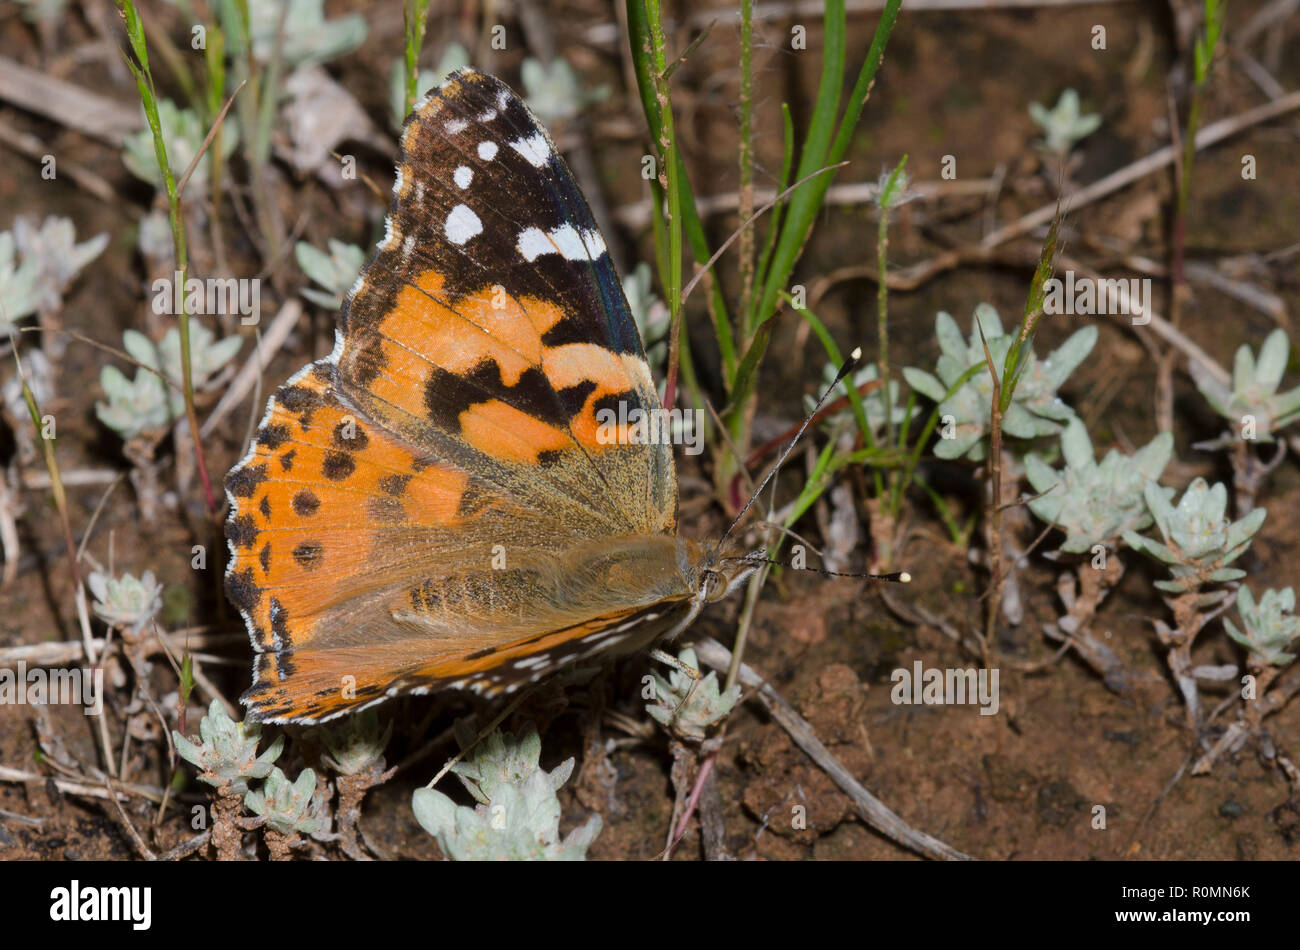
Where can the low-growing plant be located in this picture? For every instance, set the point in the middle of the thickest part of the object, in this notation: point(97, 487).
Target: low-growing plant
point(965, 420)
point(356, 753)
point(1254, 409)
point(227, 759)
point(689, 705)
point(517, 817)
point(1093, 504)
point(1198, 544)
point(291, 809)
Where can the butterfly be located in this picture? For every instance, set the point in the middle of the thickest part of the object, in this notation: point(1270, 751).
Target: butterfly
point(436, 505)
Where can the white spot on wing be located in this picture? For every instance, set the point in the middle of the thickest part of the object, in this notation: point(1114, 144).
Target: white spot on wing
point(462, 224)
point(487, 151)
point(455, 126)
point(564, 240)
point(463, 176)
point(488, 116)
point(534, 149)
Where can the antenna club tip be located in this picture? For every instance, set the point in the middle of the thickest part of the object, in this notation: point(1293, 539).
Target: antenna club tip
point(904, 578)
point(856, 354)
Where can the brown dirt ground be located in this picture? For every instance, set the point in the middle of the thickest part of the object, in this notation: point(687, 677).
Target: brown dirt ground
point(1020, 784)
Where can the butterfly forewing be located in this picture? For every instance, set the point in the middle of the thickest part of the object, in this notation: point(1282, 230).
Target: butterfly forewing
point(490, 322)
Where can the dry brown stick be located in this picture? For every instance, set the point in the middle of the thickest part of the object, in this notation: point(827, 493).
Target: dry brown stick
point(872, 810)
point(67, 104)
point(70, 787)
point(74, 651)
point(637, 216)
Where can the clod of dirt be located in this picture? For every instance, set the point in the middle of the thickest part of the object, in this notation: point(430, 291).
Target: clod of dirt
point(1059, 802)
point(1008, 784)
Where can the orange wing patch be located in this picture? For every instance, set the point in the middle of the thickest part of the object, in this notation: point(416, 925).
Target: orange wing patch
point(485, 369)
point(310, 505)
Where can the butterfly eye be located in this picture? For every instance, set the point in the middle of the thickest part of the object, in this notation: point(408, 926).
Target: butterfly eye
point(713, 584)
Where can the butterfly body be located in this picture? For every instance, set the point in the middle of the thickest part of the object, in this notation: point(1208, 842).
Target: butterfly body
point(436, 505)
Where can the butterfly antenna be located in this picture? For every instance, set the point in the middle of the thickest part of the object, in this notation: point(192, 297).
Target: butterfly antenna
point(897, 577)
point(847, 368)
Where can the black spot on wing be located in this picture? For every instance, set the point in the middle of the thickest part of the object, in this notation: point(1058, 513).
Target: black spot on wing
point(243, 482)
point(242, 590)
point(308, 555)
point(273, 436)
point(338, 466)
point(241, 531)
point(305, 503)
point(447, 395)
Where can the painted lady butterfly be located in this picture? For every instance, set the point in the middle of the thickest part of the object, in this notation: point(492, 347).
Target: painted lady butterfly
point(433, 505)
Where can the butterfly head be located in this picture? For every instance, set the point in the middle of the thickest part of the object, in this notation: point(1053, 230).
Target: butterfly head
point(713, 572)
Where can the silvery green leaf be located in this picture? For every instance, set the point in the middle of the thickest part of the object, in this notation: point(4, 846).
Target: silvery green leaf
point(356, 745)
point(1272, 361)
point(307, 39)
point(1214, 391)
point(691, 705)
point(1041, 475)
point(53, 248)
point(1243, 368)
point(1066, 358)
point(188, 750)
point(1055, 409)
point(1153, 457)
point(435, 812)
point(956, 447)
point(140, 347)
point(952, 368)
point(19, 290)
point(1145, 545)
point(951, 342)
point(925, 384)
point(321, 299)
point(1225, 574)
point(1245, 599)
point(336, 271)
point(1170, 587)
point(1018, 422)
point(1240, 532)
point(1159, 505)
point(288, 806)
